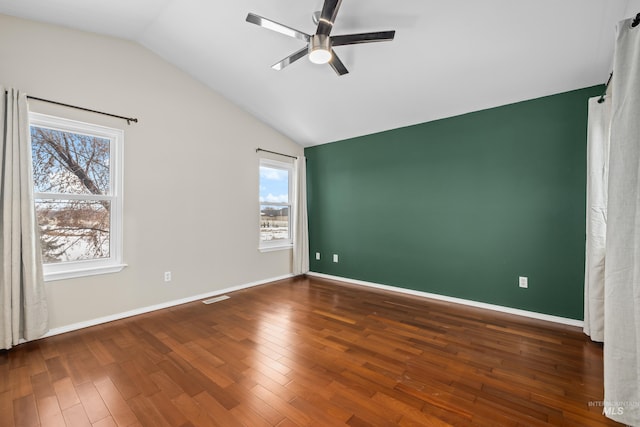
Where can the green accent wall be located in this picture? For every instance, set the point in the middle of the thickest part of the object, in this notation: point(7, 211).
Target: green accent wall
point(461, 206)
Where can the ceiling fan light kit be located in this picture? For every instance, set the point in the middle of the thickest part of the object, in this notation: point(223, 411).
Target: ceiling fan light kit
point(319, 49)
point(320, 45)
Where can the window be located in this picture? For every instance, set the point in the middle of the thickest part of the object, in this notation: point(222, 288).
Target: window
point(275, 205)
point(77, 175)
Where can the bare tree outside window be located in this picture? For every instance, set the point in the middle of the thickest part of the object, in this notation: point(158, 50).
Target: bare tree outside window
point(72, 181)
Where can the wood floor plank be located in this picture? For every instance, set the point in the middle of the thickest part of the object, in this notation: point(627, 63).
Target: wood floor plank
point(56, 368)
point(92, 402)
point(126, 385)
point(6, 408)
point(34, 359)
point(76, 416)
point(100, 352)
point(216, 411)
point(308, 352)
point(82, 366)
point(25, 412)
point(146, 412)
point(169, 388)
point(409, 414)
point(50, 413)
point(282, 406)
point(180, 377)
point(118, 407)
point(20, 382)
point(66, 393)
point(5, 361)
point(212, 372)
point(262, 408)
point(115, 352)
point(41, 385)
point(248, 417)
point(226, 399)
point(105, 422)
point(19, 358)
point(321, 400)
point(316, 412)
point(193, 411)
point(137, 375)
point(167, 409)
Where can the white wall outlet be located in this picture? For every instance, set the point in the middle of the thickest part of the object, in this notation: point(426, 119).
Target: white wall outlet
point(318, 256)
point(167, 276)
point(523, 282)
point(335, 257)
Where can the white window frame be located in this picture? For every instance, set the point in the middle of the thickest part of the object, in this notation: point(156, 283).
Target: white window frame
point(282, 244)
point(112, 264)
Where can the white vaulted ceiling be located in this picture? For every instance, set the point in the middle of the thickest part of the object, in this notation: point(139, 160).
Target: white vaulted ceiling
point(448, 57)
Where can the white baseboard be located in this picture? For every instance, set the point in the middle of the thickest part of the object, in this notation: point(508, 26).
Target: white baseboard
point(135, 312)
point(500, 308)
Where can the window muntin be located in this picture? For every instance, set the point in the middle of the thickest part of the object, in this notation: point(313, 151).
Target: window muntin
point(77, 190)
point(275, 204)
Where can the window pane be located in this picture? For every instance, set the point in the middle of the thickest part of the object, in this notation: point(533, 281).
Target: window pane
point(274, 223)
point(69, 163)
point(274, 185)
point(73, 230)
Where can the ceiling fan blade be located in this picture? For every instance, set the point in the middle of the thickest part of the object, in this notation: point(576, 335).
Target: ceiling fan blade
point(291, 59)
point(378, 36)
point(328, 16)
point(337, 65)
point(274, 26)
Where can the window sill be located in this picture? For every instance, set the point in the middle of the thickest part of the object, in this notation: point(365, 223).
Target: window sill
point(275, 248)
point(71, 274)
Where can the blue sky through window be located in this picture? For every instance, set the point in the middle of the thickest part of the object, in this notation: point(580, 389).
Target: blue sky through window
point(274, 185)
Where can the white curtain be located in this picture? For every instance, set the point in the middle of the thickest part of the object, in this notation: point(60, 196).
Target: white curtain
point(23, 306)
point(597, 178)
point(622, 272)
point(300, 221)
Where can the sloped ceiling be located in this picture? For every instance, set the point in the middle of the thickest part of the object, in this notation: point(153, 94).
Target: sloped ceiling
point(448, 57)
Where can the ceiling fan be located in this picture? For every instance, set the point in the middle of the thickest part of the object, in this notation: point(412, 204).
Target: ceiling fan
point(320, 45)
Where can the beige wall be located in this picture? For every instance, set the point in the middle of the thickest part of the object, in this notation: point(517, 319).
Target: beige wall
point(192, 153)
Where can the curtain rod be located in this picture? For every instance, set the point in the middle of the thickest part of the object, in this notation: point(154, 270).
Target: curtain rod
point(128, 119)
point(279, 154)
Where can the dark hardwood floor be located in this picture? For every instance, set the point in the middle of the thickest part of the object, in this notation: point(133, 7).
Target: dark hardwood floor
point(308, 352)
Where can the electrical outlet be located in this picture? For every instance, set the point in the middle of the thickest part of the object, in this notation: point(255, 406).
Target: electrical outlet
point(335, 257)
point(167, 276)
point(318, 256)
point(523, 282)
